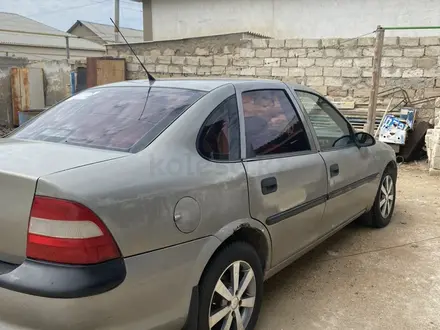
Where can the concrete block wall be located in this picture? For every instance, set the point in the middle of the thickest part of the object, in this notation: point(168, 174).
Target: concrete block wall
point(338, 68)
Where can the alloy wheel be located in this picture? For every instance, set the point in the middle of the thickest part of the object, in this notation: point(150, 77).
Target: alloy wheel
point(233, 300)
point(386, 198)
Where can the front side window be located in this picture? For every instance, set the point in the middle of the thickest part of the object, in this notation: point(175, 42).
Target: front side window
point(219, 138)
point(272, 125)
point(115, 118)
point(330, 127)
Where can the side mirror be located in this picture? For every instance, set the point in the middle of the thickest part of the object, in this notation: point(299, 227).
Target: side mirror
point(364, 139)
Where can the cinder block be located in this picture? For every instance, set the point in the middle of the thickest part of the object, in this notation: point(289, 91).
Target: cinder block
point(333, 81)
point(312, 43)
point(133, 67)
point(352, 52)
point(178, 59)
point(298, 52)
point(426, 62)
point(280, 72)
point(429, 41)
point(294, 43)
point(279, 53)
point(395, 52)
point(247, 72)
point(190, 69)
point(343, 62)
point(192, 60)
point(366, 62)
point(330, 42)
point(174, 69)
point(409, 41)
point(203, 70)
point(296, 72)
point(306, 62)
point(312, 52)
point(391, 41)
point(263, 52)
point(259, 43)
point(366, 41)
point(206, 61)
point(413, 52)
point(367, 73)
point(314, 71)
point(386, 62)
point(275, 43)
point(403, 62)
point(240, 61)
point(201, 51)
point(332, 72)
point(263, 72)
point(247, 52)
point(432, 73)
point(233, 71)
point(337, 91)
point(412, 73)
point(325, 61)
point(291, 62)
point(332, 52)
point(164, 59)
point(255, 62)
point(221, 60)
point(315, 81)
point(218, 70)
point(391, 72)
point(368, 52)
point(432, 51)
point(162, 68)
point(272, 62)
point(169, 52)
point(351, 72)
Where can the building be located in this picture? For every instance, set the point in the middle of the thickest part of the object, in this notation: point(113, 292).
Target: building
point(22, 37)
point(174, 19)
point(103, 33)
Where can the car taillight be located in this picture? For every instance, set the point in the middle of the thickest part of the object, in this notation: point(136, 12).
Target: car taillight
point(67, 232)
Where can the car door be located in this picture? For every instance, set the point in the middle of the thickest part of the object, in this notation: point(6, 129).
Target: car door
point(351, 170)
point(286, 176)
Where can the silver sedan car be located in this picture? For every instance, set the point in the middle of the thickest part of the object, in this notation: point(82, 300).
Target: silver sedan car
point(166, 205)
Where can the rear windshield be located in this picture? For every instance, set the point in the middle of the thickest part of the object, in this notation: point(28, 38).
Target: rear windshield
point(116, 118)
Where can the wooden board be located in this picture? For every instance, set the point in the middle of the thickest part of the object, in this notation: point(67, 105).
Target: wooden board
point(109, 71)
point(104, 70)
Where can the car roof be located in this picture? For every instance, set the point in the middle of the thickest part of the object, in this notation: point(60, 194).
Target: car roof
point(203, 84)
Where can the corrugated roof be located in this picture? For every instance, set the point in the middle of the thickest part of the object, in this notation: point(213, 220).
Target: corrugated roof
point(106, 32)
point(20, 30)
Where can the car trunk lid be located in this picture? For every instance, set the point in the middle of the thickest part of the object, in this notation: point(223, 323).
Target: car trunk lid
point(21, 164)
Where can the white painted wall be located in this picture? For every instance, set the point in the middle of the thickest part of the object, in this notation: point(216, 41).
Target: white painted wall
point(173, 19)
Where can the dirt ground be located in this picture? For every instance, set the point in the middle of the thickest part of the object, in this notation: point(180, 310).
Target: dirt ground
point(365, 278)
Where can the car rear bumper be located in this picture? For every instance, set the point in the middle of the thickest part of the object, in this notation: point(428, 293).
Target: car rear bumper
point(155, 294)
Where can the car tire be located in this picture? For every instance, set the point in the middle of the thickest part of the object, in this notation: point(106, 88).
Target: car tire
point(223, 293)
point(378, 217)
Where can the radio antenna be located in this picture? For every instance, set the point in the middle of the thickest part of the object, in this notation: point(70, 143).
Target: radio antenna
point(150, 77)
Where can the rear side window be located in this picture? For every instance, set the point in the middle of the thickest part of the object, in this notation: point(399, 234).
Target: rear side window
point(219, 138)
point(272, 124)
point(115, 118)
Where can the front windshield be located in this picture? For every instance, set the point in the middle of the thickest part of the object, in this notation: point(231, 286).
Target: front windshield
point(115, 118)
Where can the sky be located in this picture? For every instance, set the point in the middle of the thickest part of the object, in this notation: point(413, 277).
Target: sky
point(62, 14)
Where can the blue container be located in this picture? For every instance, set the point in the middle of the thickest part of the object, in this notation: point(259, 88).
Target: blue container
point(24, 116)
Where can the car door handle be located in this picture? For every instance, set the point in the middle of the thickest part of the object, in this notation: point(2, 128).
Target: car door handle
point(334, 170)
point(269, 185)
